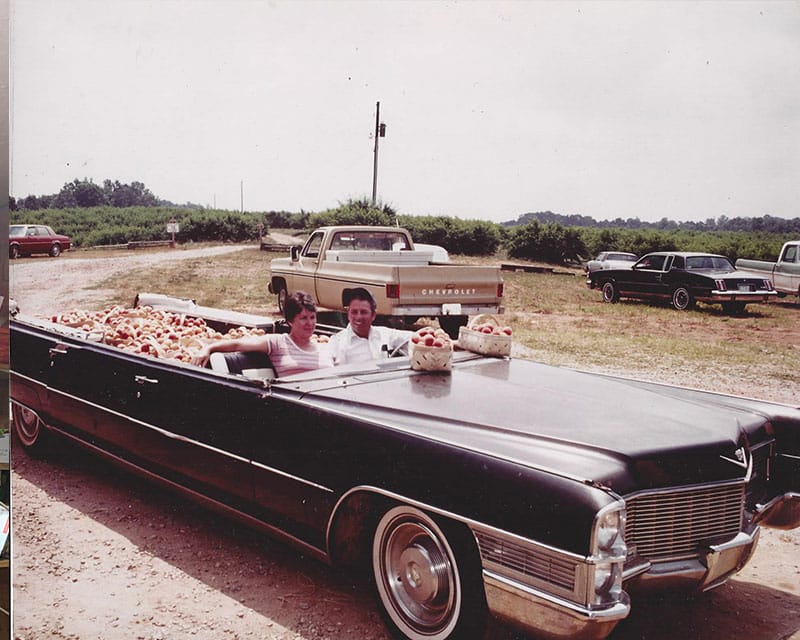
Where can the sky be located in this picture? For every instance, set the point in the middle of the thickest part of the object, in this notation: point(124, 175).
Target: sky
point(683, 110)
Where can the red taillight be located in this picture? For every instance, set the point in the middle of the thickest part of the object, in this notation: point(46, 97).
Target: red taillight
point(393, 291)
point(5, 526)
point(768, 285)
point(720, 285)
point(499, 289)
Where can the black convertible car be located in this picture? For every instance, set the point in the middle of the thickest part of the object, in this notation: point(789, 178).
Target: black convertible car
point(684, 278)
point(541, 496)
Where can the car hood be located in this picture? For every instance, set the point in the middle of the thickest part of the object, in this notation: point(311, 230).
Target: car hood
point(618, 433)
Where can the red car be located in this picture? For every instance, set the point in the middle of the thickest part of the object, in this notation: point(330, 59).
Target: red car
point(27, 239)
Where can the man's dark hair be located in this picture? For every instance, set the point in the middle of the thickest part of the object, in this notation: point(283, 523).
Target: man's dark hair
point(295, 304)
point(358, 293)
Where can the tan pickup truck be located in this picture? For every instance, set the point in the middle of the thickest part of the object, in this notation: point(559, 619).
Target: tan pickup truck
point(406, 282)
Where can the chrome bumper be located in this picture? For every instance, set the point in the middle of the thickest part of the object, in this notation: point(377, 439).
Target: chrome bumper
point(734, 295)
point(708, 570)
point(546, 616)
point(423, 310)
point(782, 512)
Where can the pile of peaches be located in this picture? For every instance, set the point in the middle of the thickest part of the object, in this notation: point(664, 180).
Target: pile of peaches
point(148, 331)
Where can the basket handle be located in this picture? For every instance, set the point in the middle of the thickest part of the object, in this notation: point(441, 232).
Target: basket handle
point(483, 318)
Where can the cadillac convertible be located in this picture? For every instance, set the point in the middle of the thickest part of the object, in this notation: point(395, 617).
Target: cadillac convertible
point(545, 497)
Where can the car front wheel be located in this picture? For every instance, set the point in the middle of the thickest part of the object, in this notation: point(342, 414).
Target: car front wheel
point(427, 577)
point(29, 429)
point(13, 252)
point(610, 292)
point(682, 299)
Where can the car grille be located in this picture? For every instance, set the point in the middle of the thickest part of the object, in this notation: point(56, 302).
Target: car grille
point(676, 523)
point(539, 564)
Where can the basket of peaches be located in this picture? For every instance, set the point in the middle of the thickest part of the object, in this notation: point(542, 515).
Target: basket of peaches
point(485, 335)
point(431, 350)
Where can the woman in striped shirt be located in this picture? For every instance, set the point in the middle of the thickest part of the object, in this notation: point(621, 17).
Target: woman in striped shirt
point(290, 353)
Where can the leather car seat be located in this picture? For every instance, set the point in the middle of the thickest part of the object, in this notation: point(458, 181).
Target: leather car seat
point(250, 364)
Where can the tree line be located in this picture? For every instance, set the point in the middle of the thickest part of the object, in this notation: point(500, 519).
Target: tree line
point(762, 224)
point(118, 213)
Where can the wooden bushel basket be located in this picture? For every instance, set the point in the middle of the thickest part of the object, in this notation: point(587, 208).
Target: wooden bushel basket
point(484, 343)
point(431, 358)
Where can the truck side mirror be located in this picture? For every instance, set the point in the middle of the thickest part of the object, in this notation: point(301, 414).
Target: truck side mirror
point(295, 253)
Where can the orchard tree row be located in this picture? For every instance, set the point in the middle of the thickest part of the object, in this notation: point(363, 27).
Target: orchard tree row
point(549, 242)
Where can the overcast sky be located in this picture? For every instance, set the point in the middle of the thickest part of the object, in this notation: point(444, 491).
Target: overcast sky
point(619, 109)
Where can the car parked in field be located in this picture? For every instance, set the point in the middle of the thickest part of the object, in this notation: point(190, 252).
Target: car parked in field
point(27, 239)
point(684, 278)
point(610, 260)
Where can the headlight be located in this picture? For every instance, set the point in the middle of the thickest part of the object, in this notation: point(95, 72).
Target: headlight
point(608, 555)
point(609, 532)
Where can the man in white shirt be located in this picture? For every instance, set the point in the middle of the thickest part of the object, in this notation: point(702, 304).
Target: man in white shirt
point(360, 341)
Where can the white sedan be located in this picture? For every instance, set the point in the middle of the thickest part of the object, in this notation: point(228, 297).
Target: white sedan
point(610, 260)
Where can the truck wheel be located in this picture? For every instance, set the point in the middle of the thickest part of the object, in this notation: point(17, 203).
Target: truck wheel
point(427, 577)
point(55, 250)
point(282, 296)
point(451, 324)
point(682, 299)
point(13, 251)
point(29, 429)
point(610, 291)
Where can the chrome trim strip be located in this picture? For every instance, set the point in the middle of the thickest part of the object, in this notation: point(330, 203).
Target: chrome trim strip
point(733, 294)
point(174, 436)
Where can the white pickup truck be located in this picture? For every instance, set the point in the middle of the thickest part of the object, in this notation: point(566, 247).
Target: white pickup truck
point(785, 273)
point(407, 283)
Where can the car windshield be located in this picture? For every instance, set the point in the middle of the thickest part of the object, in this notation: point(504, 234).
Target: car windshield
point(16, 230)
point(717, 263)
point(369, 241)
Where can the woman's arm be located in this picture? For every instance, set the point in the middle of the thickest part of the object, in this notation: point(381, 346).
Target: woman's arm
point(250, 343)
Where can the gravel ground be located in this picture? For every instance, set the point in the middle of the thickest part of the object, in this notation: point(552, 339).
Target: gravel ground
point(98, 554)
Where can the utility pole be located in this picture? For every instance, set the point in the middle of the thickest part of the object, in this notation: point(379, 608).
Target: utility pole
point(380, 132)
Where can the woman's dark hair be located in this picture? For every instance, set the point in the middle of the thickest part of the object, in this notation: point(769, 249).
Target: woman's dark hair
point(295, 304)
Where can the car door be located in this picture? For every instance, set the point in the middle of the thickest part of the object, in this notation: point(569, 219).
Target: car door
point(183, 425)
point(787, 274)
point(645, 279)
point(32, 240)
point(304, 269)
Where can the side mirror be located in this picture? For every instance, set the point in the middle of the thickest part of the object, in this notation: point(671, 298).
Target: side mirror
point(295, 253)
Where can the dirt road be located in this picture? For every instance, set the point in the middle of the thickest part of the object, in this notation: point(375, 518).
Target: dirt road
point(100, 555)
